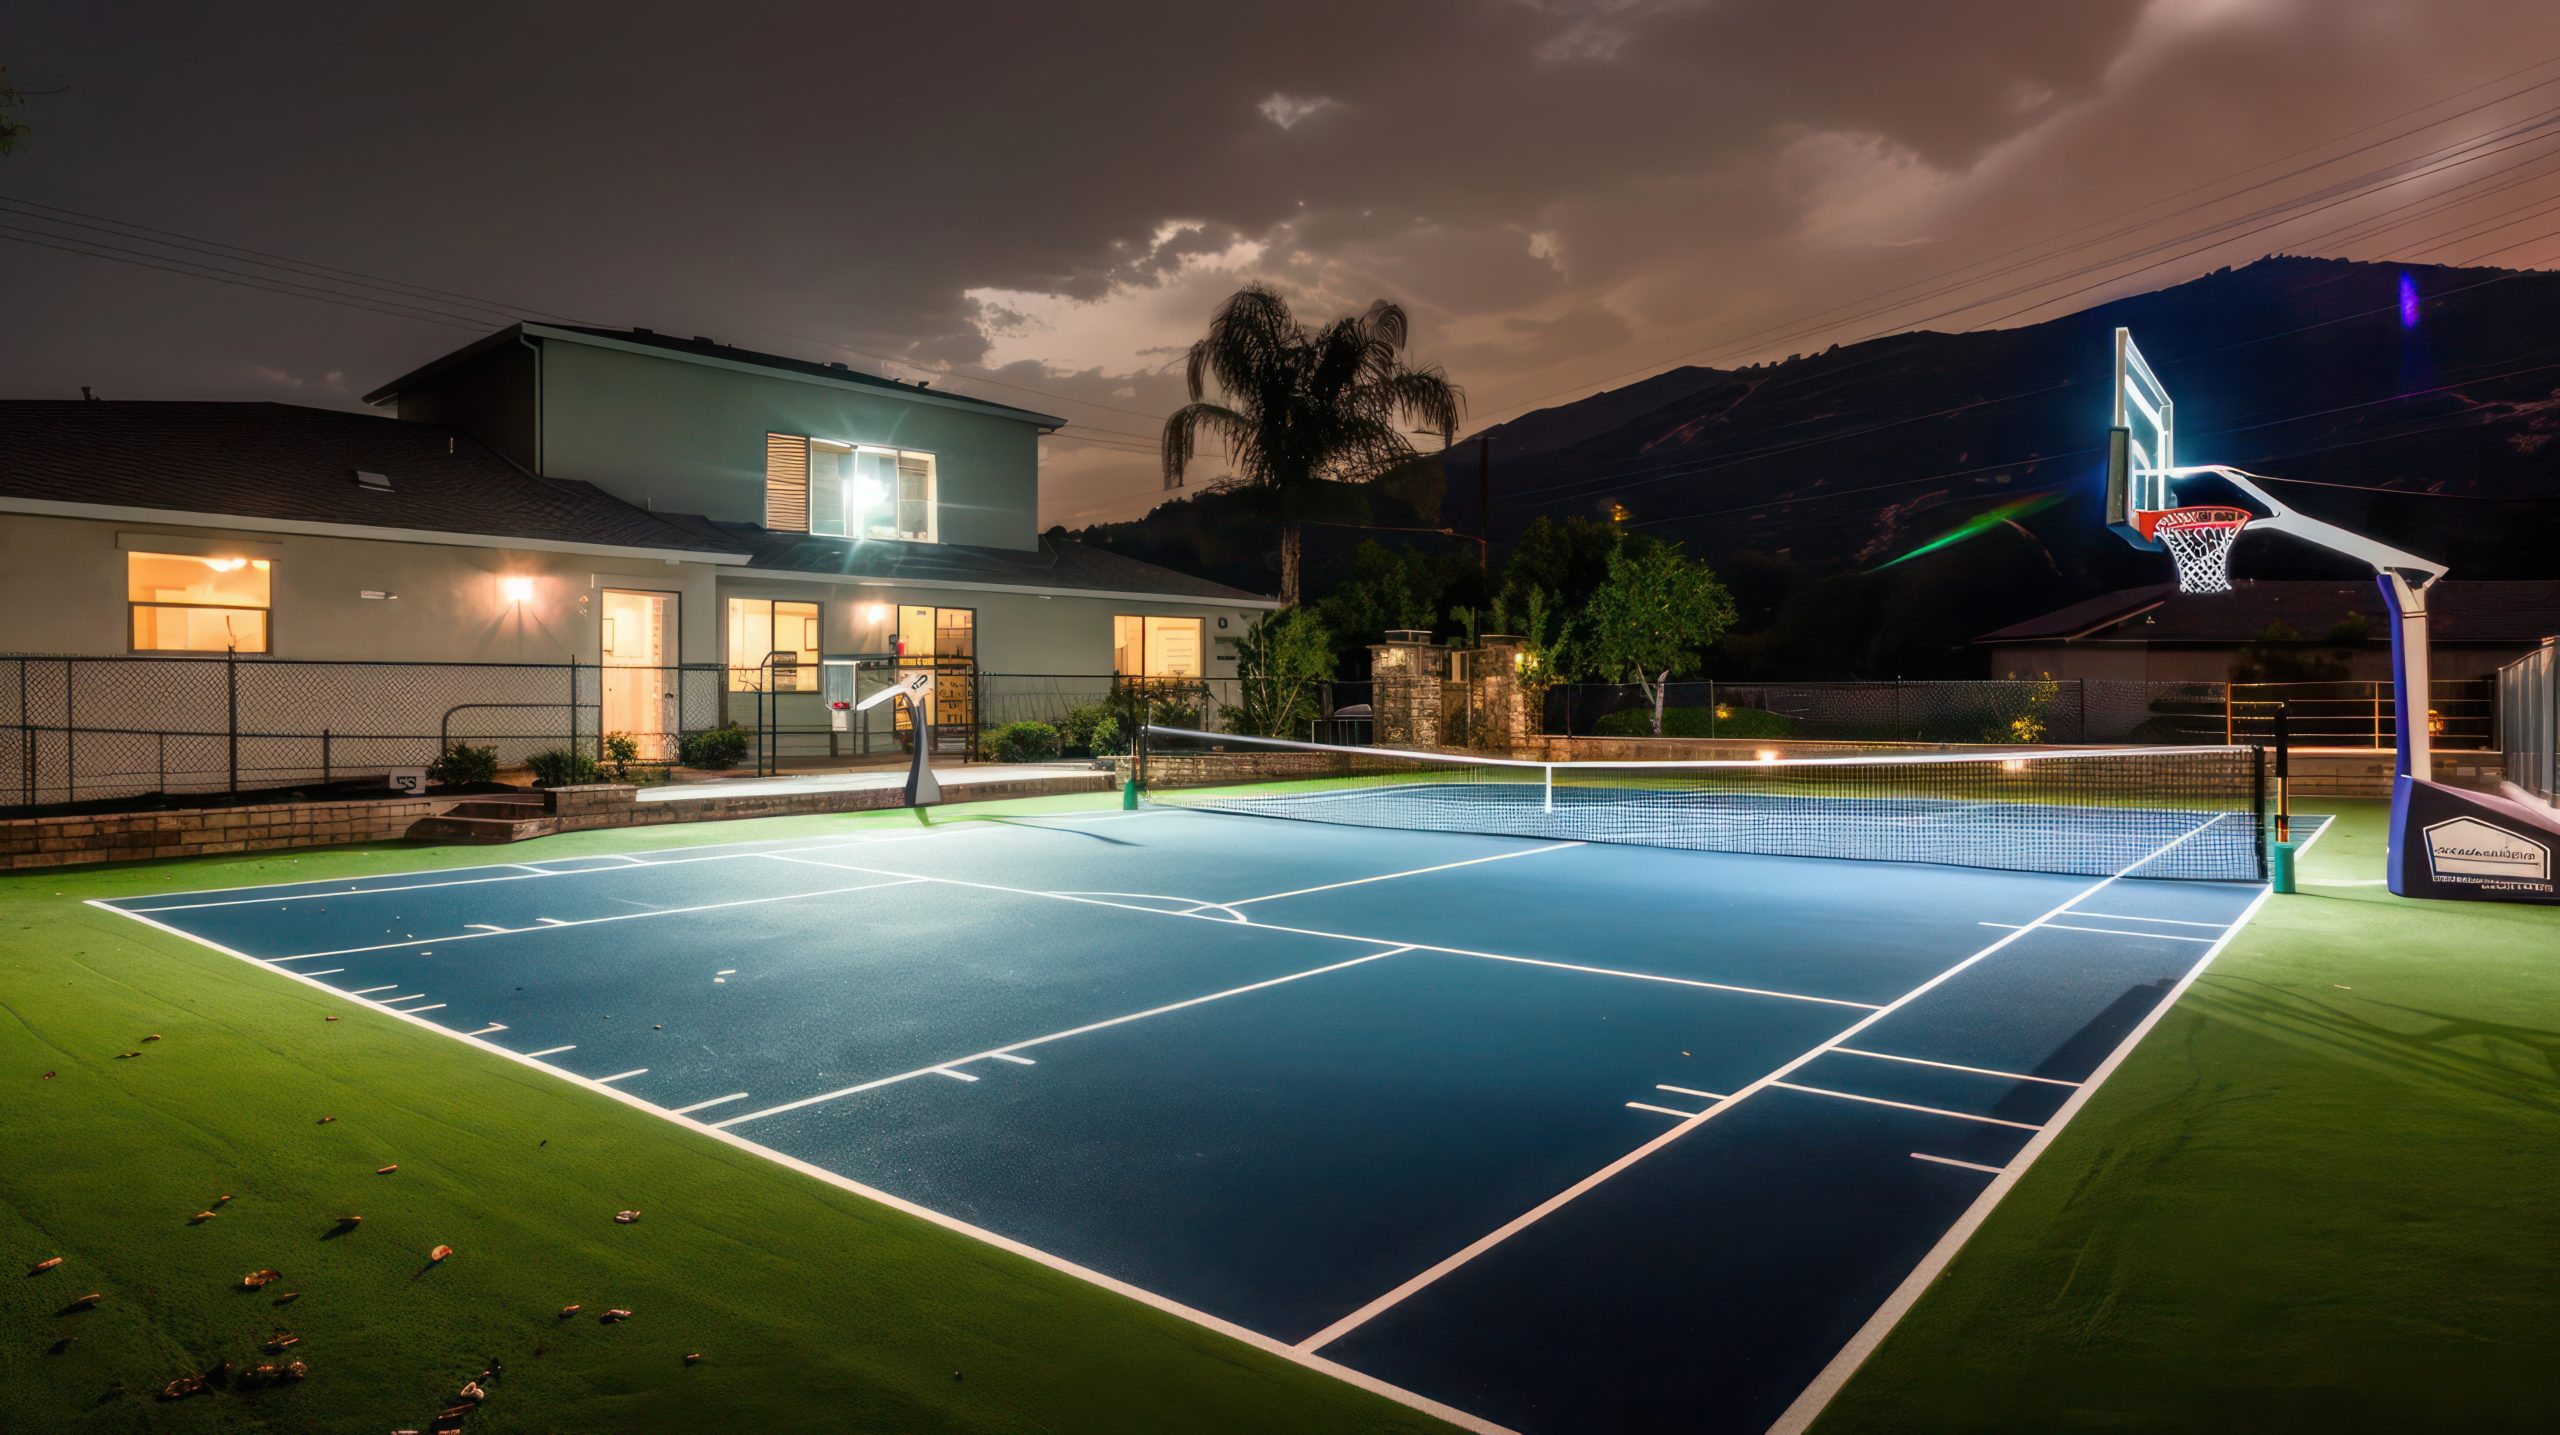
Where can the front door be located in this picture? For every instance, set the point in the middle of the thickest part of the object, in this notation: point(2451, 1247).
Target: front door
point(639, 668)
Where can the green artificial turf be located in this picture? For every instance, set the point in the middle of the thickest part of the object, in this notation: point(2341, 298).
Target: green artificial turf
point(813, 1309)
point(2324, 1194)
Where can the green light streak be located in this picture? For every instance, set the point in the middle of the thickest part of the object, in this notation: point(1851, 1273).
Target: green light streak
point(1980, 523)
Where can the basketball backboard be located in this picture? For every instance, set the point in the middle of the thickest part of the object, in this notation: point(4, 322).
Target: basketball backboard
point(2142, 444)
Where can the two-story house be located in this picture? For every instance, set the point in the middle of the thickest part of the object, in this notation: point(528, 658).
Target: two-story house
point(626, 499)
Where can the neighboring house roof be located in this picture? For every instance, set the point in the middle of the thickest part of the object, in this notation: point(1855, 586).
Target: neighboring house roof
point(285, 463)
point(2521, 612)
point(703, 350)
point(1057, 565)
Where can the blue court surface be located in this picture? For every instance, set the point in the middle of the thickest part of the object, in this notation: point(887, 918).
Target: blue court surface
point(1556, 1136)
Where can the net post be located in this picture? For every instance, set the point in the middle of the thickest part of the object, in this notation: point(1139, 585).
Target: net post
point(2258, 784)
point(2284, 771)
point(1547, 788)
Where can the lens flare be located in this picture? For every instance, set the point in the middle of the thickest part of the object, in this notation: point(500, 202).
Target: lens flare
point(2408, 300)
point(1980, 523)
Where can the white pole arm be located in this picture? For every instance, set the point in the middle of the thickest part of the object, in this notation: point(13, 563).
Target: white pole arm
point(2280, 519)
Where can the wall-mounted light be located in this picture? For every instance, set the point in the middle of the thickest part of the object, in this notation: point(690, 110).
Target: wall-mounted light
point(516, 590)
point(875, 613)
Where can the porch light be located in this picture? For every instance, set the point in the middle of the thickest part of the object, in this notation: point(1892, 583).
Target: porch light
point(516, 590)
point(875, 613)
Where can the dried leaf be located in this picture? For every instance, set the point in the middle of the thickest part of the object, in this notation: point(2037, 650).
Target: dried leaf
point(256, 1279)
point(438, 1254)
point(48, 1263)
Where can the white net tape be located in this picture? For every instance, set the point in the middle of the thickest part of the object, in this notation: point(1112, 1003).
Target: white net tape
point(2201, 546)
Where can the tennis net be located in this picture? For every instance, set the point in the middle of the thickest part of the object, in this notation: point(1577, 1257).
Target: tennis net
point(2187, 812)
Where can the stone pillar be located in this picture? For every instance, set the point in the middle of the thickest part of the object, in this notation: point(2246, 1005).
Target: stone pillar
point(1504, 722)
point(1404, 693)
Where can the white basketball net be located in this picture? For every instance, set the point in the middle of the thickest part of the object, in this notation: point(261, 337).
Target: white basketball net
point(2200, 541)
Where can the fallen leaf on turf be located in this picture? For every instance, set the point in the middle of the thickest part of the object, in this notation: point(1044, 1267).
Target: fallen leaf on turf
point(181, 1388)
point(694, 1359)
point(439, 1253)
point(624, 1218)
point(283, 1343)
point(122, 1055)
point(200, 1217)
point(386, 1170)
point(85, 1302)
point(325, 1120)
point(48, 1263)
point(155, 1036)
point(288, 1298)
point(255, 1280)
point(222, 1200)
point(567, 1311)
point(609, 1317)
point(328, 1018)
point(48, 1076)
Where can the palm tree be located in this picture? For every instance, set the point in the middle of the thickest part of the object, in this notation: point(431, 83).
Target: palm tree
point(1303, 406)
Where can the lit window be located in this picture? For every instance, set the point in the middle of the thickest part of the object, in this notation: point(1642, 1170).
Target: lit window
point(1156, 647)
point(185, 604)
point(849, 490)
point(773, 645)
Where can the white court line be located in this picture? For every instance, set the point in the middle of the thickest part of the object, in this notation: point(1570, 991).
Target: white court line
point(2164, 921)
point(413, 996)
point(368, 991)
point(1433, 1274)
point(708, 852)
point(1951, 1066)
point(1906, 1106)
point(551, 1051)
point(1690, 1091)
point(1819, 1392)
point(326, 972)
point(714, 1101)
point(1016, 1060)
point(1662, 1110)
point(495, 1026)
point(622, 1076)
point(1256, 1339)
point(1093, 901)
point(1416, 872)
point(414, 1010)
point(1951, 1161)
point(879, 1082)
point(553, 924)
point(2108, 932)
point(954, 1075)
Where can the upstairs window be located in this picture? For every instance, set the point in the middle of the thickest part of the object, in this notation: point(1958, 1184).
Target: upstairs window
point(1156, 647)
point(184, 604)
point(848, 490)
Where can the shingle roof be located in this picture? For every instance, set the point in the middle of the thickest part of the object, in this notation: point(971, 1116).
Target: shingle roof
point(1055, 565)
point(703, 348)
point(2521, 611)
point(285, 462)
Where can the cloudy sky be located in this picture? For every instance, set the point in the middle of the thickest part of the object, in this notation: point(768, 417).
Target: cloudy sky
point(1042, 202)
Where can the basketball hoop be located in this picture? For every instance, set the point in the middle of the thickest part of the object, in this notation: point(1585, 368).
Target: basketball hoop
point(2200, 540)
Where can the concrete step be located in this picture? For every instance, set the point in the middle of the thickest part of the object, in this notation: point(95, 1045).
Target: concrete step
point(457, 826)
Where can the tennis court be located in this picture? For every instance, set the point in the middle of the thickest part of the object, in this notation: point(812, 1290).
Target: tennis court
point(1548, 1133)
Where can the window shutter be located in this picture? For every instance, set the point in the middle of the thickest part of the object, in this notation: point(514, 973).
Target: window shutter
point(786, 483)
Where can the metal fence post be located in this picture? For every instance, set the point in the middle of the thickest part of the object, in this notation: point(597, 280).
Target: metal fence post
point(70, 732)
point(324, 757)
point(231, 724)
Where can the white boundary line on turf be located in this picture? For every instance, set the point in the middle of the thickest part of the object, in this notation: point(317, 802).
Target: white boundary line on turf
point(1391, 876)
point(1432, 1274)
point(1254, 1338)
point(1818, 1392)
point(1006, 1052)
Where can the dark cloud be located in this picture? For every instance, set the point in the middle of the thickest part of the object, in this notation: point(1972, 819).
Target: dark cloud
point(1562, 191)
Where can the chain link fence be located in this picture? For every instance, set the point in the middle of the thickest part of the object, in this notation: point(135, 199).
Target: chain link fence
point(96, 729)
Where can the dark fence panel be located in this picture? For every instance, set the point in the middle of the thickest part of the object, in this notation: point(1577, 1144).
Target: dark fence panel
point(2529, 720)
point(99, 728)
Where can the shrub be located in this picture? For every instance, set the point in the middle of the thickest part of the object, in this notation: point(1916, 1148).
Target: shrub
point(1698, 722)
point(1090, 728)
point(1023, 742)
point(713, 749)
point(562, 767)
point(462, 765)
point(621, 750)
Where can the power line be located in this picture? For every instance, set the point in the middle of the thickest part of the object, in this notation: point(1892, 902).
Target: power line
point(13, 235)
